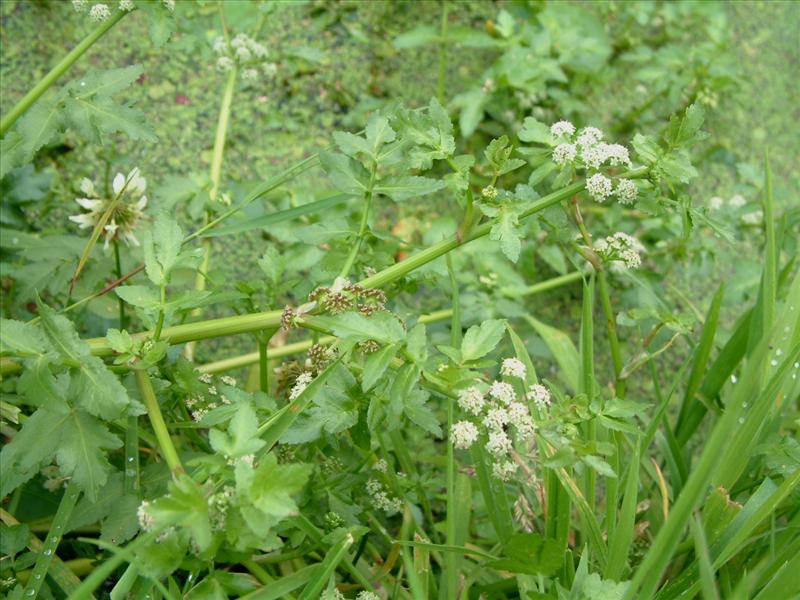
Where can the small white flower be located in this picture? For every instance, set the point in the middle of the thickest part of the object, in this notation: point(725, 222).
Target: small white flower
point(243, 54)
point(488, 86)
point(99, 13)
point(495, 419)
point(715, 203)
point(504, 470)
point(381, 465)
point(617, 154)
point(589, 136)
point(205, 378)
point(471, 400)
point(737, 201)
point(228, 380)
point(79, 5)
point(220, 45)
point(463, 434)
point(539, 395)
point(513, 367)
point(240, 41)
point(258, 50)
point(520, 418)
point(169, 5)
point(626, 191)
point(499, 443)
point(599, 187)
point(250, 74)
point(300, 384)
point(562, 128)
point(126, 5)
point(146, 521)
point(621, 249)
point(225, 63)
point(564, 153)
point(753, 218)
point(594, 156)
point(366, 595)
point(270, 70)
point(502, 391)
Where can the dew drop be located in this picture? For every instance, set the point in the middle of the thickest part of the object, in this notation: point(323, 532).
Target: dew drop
point(773, 362)
point(48, 552)
point(83, 83)
point(37, 576)
point(778, 352)
point(30, 593)
point(745, 405)
point(130, 459)
point(54, 539)
point(797, 365)
point(741, 420)
point(733, 379)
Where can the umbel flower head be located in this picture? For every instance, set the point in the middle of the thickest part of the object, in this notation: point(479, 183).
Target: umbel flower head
point(125, 207)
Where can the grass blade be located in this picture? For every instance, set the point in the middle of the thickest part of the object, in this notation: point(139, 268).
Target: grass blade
point(621, 540)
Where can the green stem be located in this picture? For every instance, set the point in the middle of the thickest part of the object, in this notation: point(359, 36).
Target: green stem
point(150, 402)
point(44, 84)
point(160, 322)
point(132, 456)
point(442, 55)
point(48, 550)
point(263, 359)
point(118, 272)
point(362, 229)
point(611, 324)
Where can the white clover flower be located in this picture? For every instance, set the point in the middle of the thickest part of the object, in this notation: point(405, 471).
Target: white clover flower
point(599, 187)
point(513, 367)
point(495, 419)
point(589, 136)
point(617, 154)
point(737, 201)
point(225, 63)
point(504, 470)
point(463, 434)
point(499, 443)
point(626, 191)
point(300, 384)
point(562, 128)
point(126, 5)
point(80, 5)
point(99, 12)
point(564, 153)
point(539, 395)
point(502, 391)
point(250, 74)
point(715, 203)
point(471, 400)
point(124, 217)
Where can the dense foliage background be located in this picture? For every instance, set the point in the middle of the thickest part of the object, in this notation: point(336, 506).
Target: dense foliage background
point(372, 496)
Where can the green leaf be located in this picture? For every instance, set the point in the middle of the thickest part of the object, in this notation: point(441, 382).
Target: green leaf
point(141, 296)
point(99, 391)
point(102, 116)
point(162, 244)
point(376, 364)
point(334, 410)
point(530, 553)
point(382, 327)
point(346, 174)
point(534, 131)
point(61, 333)
point(419, 413)
point(423, 35)
point(186, 504)
point(241, 438)
point(563, 350)
point(506, 230)
point(403, 187)
point(647, 148)
point(104, 83)
point(21, 338)
point(481, 339)
point(270, 487)
point(431, 134)
point(685, 129)
point(498, 154)
point(378, 133)
point(80, 452)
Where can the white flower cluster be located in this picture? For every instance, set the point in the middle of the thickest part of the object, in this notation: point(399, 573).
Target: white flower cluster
point(247, 53)
point(300, 384)
point(497, 411)
point(146, 520)
point(620, 249)
point(218, 507)
point(99, 12)
point(590, 151)
point(199, 406)
point(124, 217)
point(380, 498)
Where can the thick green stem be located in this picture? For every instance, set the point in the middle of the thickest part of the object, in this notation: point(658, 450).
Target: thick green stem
point(263, 359)
point(44, 84)
point(50, 545)
point(161, 312)
point(150, 402)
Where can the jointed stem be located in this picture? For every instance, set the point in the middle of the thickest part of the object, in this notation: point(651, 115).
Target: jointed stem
point(157, 421)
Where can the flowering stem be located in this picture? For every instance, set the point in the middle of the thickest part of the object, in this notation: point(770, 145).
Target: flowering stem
point(44, 84)
point(611, 324)
point(157, 422)
point(362, 229)
point(118, 272)
point(451, 560)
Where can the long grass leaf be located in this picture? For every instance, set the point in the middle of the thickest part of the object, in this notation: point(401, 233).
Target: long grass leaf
point(621, 540)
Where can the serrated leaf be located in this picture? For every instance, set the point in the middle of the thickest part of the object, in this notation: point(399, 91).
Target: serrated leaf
point(498, 154)
point(646, 148)
point(21, 338)
point(347, 175)
point(98, 390)
point(39, 125)
point(424, 35)
point(141, 296)
point(162, 245)
point(271, 486)
point(185, 503)
point(430, 135)
point(506, 230)
point(334, 410)
point(104, 83)
point(684, 129)
point(81, 453)
point(61, 334)
point(241, 438)
point(382, 327)
point(481, 339)
point(419, 413)
point(403, 187)
point(534, 131)
point(376, 364)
